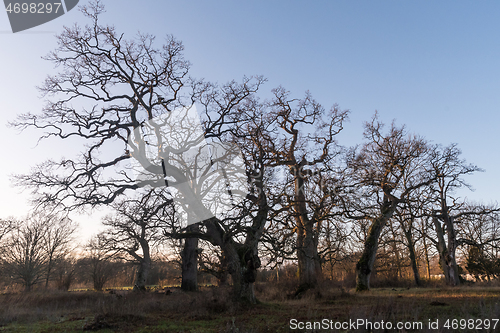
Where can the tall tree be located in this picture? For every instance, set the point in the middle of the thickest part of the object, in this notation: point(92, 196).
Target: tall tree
point(449, 171)
point(238, 230)
point(383, 174)
point(308, 157)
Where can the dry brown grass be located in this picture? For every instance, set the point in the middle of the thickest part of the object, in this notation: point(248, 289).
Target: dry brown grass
point(211, 310)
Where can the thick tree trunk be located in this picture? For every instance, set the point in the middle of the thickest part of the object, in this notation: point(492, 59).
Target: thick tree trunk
point(365, 264)
point(243, 263)
point(364, 267)
point(142, 275)
point(189, 257)
point(454, 277)
point(447, 252)
point(306, 254)
point(144, 267)
point(241, 260)
point(309, 269)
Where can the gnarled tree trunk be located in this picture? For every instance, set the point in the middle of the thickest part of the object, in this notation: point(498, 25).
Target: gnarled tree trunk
point(141, 277)
point(309, 269)
point(307, 254)
point(365, 264)
point(364, 267)
point(243, 263)
point(189, 257)
point(447, 252)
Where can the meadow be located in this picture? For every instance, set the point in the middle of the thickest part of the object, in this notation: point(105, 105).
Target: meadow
point(441, 309)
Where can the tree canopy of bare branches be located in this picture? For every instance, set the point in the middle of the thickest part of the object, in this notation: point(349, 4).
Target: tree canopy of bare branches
point(386, 170)
point(35, 246)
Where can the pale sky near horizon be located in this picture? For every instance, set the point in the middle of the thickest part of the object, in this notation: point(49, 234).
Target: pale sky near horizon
point(434, 66)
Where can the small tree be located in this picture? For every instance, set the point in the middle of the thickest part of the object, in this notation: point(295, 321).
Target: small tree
point(26, 259)
point(36, 245)
point(65, 271)
point(98, 262)
point(57, 240)
point(136, 229)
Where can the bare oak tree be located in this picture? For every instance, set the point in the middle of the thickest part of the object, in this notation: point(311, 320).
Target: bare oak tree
point(449, 169)
point(237, 231)
point(26, 259)
point(308, 156)
point(107, 88)
point(447, 210)
point(384, 173)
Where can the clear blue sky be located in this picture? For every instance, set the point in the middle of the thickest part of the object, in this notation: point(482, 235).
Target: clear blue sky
point(434, 66)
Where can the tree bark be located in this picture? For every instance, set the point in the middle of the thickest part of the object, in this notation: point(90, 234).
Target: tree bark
point(411, 250)
point(365, 264)
point(144, 266)
point(413, 259)
point(142, 275)
point(364, 267)
point(447, 252)
point(309, 269)
point(189, 257)
point(307, 254)
point(451, 257)
point(243, 263)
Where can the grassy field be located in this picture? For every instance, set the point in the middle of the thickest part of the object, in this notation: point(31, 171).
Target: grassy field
point(211, 310)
